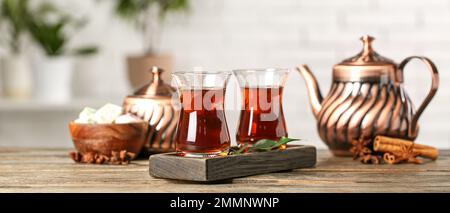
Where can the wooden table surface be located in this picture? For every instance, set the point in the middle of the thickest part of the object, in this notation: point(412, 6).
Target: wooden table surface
point(51, 170)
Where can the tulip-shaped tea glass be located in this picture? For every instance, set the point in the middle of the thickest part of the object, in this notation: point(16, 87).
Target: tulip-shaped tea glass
point(262, 111)
point(202, 128)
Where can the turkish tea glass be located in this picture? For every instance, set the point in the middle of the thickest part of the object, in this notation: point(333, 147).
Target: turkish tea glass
point(202, 127)
point(261, 114)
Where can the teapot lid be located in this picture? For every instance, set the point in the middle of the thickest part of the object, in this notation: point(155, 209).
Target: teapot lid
point(364, 65)
point(367, 56)
point(157, 87)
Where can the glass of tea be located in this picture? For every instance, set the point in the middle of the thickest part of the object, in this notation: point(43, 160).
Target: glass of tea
point(202, 127)
point(261, 114)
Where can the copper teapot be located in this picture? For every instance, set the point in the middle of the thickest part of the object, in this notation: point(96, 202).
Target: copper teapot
point(367, 98)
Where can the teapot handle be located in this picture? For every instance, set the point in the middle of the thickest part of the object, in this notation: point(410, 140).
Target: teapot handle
point(434, 87)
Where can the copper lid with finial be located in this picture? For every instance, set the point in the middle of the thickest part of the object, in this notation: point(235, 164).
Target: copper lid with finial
point(366, 65)
point(156, 88)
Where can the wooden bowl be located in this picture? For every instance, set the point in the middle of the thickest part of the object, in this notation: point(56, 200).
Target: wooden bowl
point(105, 138)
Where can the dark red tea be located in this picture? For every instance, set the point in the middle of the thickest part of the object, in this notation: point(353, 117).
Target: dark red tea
point(202, 128)
point(262, 115)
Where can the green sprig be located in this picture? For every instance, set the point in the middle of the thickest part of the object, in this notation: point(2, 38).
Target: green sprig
point(263, 145)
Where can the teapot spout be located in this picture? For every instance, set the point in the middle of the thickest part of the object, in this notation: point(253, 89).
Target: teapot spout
point(315, 97)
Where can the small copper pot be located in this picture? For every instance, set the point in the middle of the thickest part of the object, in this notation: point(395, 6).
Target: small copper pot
point(367, 98)
point(153, 103)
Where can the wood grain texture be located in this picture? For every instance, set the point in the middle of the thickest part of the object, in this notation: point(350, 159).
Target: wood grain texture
point(221, 168)
point(51, 170)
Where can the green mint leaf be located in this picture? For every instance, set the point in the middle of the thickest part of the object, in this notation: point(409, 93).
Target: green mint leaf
point(285, 140)
point(242, 149)
point(263, 145)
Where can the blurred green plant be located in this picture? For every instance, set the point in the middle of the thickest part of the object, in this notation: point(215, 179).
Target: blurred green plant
point(134, 9)
point(13, 19)
point(49, 27)
point(142, 12)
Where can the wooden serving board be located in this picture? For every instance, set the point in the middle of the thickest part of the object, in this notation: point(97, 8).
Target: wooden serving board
point(171, 166)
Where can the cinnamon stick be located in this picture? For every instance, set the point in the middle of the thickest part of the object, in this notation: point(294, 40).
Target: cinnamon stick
point(394, 145)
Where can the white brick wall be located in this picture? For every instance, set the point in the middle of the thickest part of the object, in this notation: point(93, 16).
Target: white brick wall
point(227, 34)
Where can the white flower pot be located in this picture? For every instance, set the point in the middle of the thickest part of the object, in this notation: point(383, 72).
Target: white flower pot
point(54, 79)
point(16, 77)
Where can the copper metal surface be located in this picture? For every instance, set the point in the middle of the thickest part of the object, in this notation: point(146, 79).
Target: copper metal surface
point(105, 138)
point(153, 103)
point(367, 98)
point(367, 65)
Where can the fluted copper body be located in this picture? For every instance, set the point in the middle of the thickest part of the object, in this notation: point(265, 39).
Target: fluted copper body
point(353, 110)
point(162, 118)
point(367, 98)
